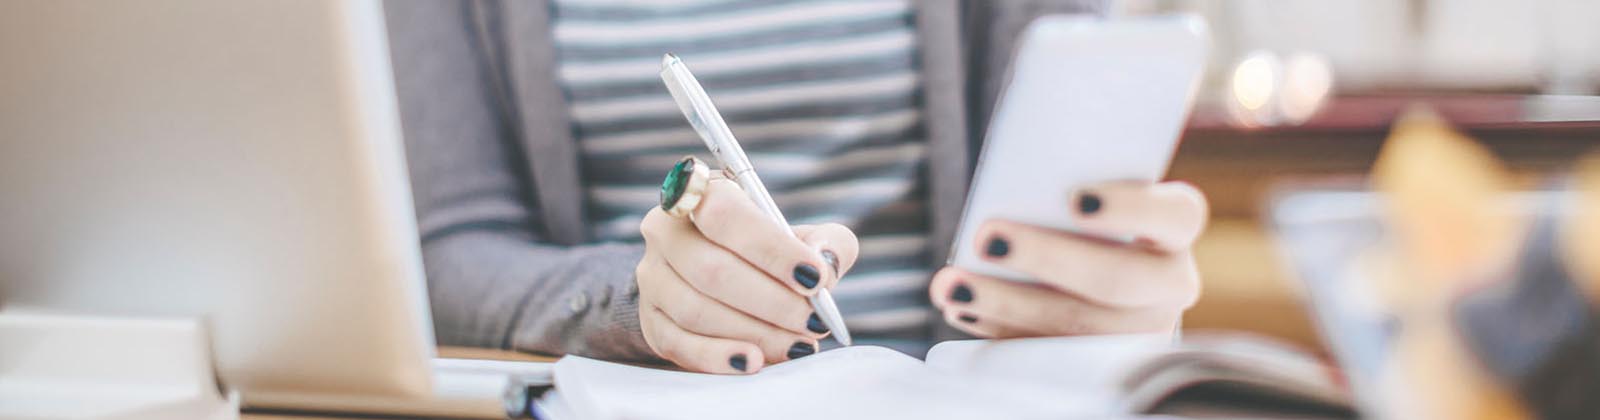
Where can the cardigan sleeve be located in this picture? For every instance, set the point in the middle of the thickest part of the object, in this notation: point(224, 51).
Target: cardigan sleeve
point(492, 280)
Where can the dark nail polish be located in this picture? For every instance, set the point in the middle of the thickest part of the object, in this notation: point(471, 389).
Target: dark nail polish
point(814, 323)
point(801, 349)
point(998, 247)
point(968, 319)
point(961, 293)
point(738, 362)
point(807, 275)
point(1088, 203)
point(832, 260)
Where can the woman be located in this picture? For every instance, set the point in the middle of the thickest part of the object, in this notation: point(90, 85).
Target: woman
point(539, 132)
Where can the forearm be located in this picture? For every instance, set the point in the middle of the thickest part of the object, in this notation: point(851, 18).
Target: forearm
point(500, 289)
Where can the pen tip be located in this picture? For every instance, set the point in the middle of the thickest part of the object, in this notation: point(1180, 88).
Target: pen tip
point(822, 302)
point(668, 58)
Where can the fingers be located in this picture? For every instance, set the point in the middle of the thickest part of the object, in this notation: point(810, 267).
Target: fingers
point(1003, 309)
point(729, 218)
point(700, 314)
point(1086, 284)
point(716, 272)
point(837, 244)
point(1095, 270)
point(697, 352)
point(1167, 216)
point(971, 323)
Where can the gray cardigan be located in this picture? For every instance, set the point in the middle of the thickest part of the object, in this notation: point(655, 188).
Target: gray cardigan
point(494, 166)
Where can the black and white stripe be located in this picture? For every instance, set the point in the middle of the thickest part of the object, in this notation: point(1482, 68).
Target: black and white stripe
point(824, 96)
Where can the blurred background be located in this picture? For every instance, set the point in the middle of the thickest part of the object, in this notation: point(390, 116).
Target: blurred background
point(1298, 92)
point(1305, 91)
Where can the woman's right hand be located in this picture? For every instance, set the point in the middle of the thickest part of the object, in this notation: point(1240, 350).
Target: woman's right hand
point(724, 291)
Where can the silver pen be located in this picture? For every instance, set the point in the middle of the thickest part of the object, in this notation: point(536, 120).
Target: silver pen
point(705, 119)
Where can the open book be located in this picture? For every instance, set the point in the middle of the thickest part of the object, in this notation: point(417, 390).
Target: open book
point(1099, 376)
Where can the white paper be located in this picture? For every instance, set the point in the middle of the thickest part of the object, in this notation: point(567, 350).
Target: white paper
point(1082, 364)
point(853, 382)
point(1039, 378)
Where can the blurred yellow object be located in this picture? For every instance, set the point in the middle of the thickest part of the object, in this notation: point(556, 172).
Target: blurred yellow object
point(1444, 200)
point(1580, 241)
point(1444, 196)
point(1442, 380)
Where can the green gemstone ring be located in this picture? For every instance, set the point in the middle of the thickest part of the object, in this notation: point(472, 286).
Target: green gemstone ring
point(684, 186)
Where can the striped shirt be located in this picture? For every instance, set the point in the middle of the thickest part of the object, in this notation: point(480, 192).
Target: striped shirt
point(823, 95)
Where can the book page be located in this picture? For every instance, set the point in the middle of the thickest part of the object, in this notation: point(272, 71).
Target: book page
point(1137, 373)
point(852, 382)
point(1087, 367)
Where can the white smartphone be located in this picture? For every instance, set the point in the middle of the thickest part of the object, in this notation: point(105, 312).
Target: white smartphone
point(1089, 100)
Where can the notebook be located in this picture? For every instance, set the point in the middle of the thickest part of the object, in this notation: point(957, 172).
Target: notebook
point(1095, 376)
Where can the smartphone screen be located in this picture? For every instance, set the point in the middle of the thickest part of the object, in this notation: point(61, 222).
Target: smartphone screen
point(1089, 100)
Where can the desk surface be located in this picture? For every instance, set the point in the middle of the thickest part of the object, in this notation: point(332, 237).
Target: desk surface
point(447, 352)
point(491, 354)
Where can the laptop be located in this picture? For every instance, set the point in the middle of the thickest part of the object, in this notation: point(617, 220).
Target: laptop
point(240, 162)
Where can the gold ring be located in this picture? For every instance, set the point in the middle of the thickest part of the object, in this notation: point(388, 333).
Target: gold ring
point(684, 186)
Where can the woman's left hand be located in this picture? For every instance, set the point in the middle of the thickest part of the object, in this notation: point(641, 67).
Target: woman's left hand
point(1085, 285)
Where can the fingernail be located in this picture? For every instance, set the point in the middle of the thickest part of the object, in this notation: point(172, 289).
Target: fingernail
point(1088, 203)
point(801, 349)
point(832, 260)
point(814, 323)
point(807, 275)
point(738, 362)
point(968, 319)
point(961, 293)
point(998, 247)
